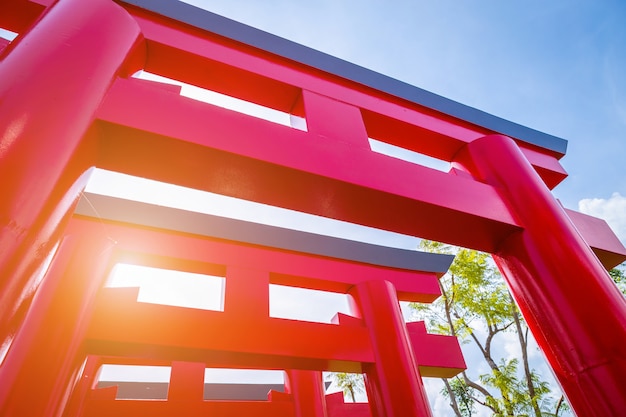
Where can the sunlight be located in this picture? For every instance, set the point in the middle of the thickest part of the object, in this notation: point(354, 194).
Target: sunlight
point(134, 373)
point(408, 155)
point(7, 34)
point(228, 102)
point(307, 305)
point(238, 376)
point(4, 348)
point(169, 287)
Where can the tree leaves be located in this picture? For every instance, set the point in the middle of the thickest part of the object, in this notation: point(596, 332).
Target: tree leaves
point(477, 307)
point(350, 384)
point(618, 275)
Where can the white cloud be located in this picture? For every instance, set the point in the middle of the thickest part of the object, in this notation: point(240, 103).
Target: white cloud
point(613, 210)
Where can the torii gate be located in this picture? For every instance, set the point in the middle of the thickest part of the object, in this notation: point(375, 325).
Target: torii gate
point(69, 103)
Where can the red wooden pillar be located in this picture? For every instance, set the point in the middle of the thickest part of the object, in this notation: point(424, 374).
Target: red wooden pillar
point(83, 387)
point(246, 295)
point(51, 81)
point(567, 298)
point(186, 384)
point(44, 361)
point(396, 387)
point(307, 388)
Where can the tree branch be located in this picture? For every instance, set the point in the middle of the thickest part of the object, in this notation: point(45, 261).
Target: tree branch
point(475, 385)
point(558, 406)
point(523, 341)
point(452, 396)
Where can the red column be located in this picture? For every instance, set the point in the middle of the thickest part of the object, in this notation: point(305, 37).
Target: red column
point(247, 293)
point(397, 385)
point(51, 81)
point(567, 298)
point(44, 362)
point(186, 385)
point(307, 388)
point(88, 379)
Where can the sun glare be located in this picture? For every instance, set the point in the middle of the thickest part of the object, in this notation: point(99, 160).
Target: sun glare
point(7, 34)
point(169, 287)
point(306, 305)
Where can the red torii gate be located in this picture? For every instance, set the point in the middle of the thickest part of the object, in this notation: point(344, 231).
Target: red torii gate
point(69, 103)
point(108, 325)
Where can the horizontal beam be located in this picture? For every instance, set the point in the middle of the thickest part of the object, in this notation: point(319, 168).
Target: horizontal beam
point(282, 48)
point(198, 254)
point(256, 160)
point(600, 237)
point(184, 56)
point(426, 203)
point(212, 390)
point(281, 407)
point(437, 355)
point(144, 214)
point(123, 327)
point(18, 15)
point(124, 408)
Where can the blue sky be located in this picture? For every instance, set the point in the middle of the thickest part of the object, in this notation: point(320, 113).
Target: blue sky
point(556, 66)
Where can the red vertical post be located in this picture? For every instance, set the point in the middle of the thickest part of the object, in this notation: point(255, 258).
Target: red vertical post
point(307, 388)
point(246, 293)
point(397, 385)
point(567, 298)
point(186, 383)
point(84, 385)
point(332, 119)
point(52, 79)
point(43, 363)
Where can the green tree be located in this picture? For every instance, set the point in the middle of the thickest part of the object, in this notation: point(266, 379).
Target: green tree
point(477, 307)
point(619, 276)
point(350, 384)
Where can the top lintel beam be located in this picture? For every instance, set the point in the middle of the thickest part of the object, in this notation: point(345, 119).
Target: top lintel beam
point(284, 48)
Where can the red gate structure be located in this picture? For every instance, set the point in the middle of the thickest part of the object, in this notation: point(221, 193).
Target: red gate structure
point(69, 103)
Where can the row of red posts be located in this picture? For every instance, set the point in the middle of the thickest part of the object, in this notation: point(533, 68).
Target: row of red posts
point(69, 103)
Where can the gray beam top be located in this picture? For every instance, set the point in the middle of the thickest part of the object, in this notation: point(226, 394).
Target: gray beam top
point(257, 38)
point(212, 391)
point(144, 214)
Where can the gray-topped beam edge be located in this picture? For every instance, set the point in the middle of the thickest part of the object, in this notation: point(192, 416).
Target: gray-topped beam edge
point(265, 41)
point(144, 214)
